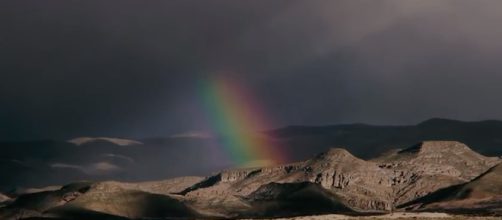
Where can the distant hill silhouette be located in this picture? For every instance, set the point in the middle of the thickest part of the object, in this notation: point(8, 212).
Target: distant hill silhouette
point(367, 141)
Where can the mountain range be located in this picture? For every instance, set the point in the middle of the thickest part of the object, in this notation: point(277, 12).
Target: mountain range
point(439, 176)
point(27, 166)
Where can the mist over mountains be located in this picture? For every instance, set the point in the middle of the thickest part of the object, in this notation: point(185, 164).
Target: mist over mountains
point(26, 165)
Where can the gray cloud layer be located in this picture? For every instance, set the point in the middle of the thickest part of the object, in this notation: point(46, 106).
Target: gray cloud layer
point(129, 68)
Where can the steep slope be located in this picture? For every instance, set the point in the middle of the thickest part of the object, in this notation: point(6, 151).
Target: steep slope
point(481, 195)
point(485, 186)
point(432, 165)
point(358, 184)
point(362, 184)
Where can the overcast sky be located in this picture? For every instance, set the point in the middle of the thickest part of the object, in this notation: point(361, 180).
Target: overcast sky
point(130, 68)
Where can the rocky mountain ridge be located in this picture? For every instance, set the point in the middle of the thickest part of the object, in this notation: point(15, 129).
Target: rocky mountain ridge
point(336, 181)
point(41, 163)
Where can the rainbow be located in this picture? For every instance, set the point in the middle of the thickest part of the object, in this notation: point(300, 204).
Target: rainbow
point(236, 118)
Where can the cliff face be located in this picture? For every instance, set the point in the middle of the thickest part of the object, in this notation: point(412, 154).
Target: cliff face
point(432, 165)
point(362, 185)
point(379, 185)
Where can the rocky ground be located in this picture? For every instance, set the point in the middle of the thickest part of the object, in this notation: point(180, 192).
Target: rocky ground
point(395, 216)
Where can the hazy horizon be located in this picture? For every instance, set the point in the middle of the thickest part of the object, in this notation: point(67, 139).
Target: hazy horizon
point(206, 134)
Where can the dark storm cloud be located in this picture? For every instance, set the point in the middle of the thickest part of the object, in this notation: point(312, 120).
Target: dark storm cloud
point(128, 68)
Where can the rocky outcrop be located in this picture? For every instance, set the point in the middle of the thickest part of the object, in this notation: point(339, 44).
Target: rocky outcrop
point(361, 184)
point(236, 175)
point(379, 185)
point(239, 174)
point(165, 187)
point(432, 165)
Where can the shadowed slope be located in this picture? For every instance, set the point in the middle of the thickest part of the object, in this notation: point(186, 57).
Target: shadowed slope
point(104, 200)
point(292, 199)
point(481, 195)
point(134, 204)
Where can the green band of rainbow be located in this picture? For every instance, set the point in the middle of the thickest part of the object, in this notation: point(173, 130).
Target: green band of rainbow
point(236, 119)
